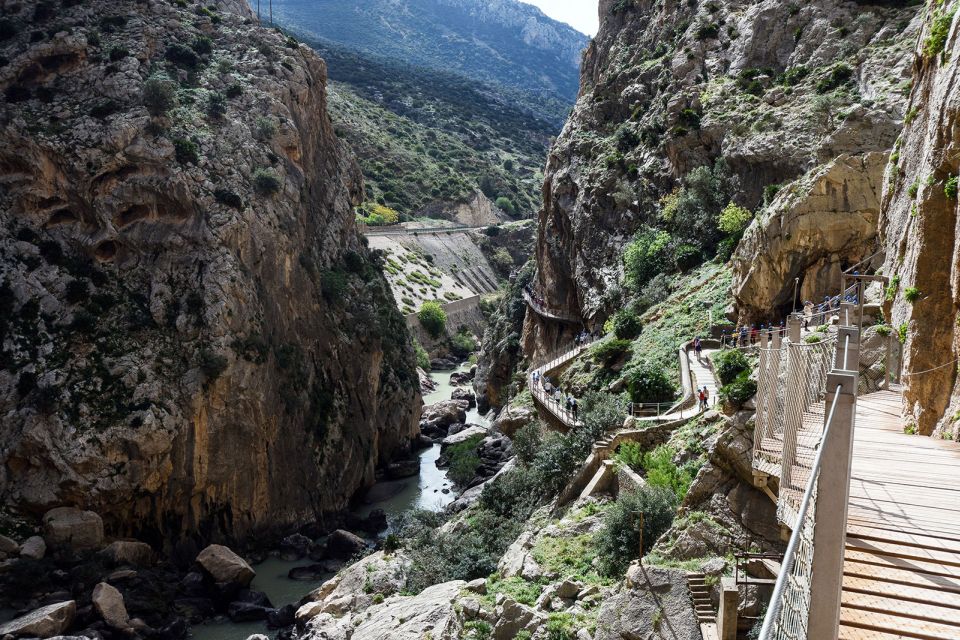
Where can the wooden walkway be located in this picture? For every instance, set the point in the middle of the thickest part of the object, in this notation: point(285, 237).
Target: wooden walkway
point(901, 575)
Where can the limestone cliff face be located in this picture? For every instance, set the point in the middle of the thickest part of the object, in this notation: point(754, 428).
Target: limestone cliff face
point(920, 232)
point(195, 339)
point(776, 89)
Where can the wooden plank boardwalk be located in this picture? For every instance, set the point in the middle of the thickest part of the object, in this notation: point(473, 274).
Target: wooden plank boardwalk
point(901, 574)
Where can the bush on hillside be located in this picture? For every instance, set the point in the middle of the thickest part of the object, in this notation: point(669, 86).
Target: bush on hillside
point(506, 205)
point(739, 391)
point(626, 325)
point(266, 181)
point(618, 541)
point(600, 413)
point(433, 318)
point(648, 383)
point(160, 94)
point(423, 358)
point(734, 219)
point(463, 343)
point(464, 460)
point(609, 351)
point(729, 364)
point(660, 471)
point(526, 441)
point(645, 257)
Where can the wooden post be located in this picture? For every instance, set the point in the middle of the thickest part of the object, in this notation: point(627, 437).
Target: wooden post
point(790, 426)
point(833, 494)
point(641, 537)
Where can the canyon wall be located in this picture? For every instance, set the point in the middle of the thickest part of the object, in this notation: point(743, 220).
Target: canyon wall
point(799, 97)
point(919, 228)
point(195, 338)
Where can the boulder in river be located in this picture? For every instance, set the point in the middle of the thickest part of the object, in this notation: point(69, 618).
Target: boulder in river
point(34, 548)
point(343, 544)
point(225, 567)
point(109, 604)
point(403, 469)
point(74, 528)
point(282, 617)
point(460, 378)
point(464, 395)
point(438, 417)
point(45, 622)
point(246, 612)
point(295, 546)
point(310, 573)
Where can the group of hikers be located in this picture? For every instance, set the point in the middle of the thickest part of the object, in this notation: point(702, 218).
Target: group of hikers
point(556, 394)
point(537, 298)
point(585, 337)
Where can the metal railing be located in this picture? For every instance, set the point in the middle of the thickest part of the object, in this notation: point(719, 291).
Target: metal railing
point(545, 391)
point(538, 304)
point(815, 464)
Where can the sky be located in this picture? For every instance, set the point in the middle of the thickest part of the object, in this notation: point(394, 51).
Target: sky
point(582, 15)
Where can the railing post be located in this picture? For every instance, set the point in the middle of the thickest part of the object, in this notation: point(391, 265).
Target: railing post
point(848, 349)
point(794, 324)
point(793, 416)
point(848, 314)
point(833, 494)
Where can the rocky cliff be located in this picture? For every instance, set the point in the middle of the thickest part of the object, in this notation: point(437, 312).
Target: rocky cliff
point(195, 339)
point(919, 228)
point(776, 90)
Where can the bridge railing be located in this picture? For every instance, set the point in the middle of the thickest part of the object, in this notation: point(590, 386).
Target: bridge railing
point(819, 391)
point(536, 303)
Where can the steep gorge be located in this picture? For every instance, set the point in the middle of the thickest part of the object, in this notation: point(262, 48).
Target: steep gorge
point(775, 90)
point(195, 339)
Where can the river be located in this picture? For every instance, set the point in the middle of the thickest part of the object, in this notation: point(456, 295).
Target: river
point(394, 497)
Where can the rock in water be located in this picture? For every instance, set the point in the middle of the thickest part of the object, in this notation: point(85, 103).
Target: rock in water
point(343, 544)
point(46, 622)
point(225, 567)
point(34, 548)
point(74, 528)
point(109, 604)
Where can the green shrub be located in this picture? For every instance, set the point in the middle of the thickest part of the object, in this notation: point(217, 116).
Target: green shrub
point(433, 318)
point(506, 205)
point(526, 442)
point(838, 75)
point(203, 45)
point(912, 294)
point(334, 285)
point(476, 630)
point(626, 325)
point(729, 364)
point(660, 471)
point(708, 31)
point(645, 257)
point(265, 128)
point(739, 391)
point(464, 460)
point(216, 106)
point(939, 31)
point(793, 76)
point(182, 56)
point(492, 231)
point(266, 181)
point(648, 383)
point(630, 454)
point(118, 53)
point(913, 189)
point(734, 219)
point(423, 358)
point(609, 351)
point(891, 291)
point(463, 344)
point(950, 188)
point(618, 541)
point(234, 91)
point(902, 333)
point(186, 151)
point(160, 94)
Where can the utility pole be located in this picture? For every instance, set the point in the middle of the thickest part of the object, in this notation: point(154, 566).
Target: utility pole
point(258, 11)
point(271, 13)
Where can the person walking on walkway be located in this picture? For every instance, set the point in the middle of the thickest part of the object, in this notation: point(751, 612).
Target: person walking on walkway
point(574, 407)
point(698, 348)
point(703, 400)
point(706, 398)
